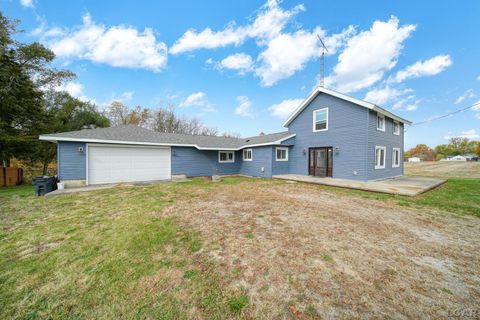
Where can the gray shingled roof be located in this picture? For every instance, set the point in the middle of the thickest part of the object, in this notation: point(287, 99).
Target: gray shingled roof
point(131, 133)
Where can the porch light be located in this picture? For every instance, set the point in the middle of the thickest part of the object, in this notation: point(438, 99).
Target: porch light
point(337, 149)
point(304, 151)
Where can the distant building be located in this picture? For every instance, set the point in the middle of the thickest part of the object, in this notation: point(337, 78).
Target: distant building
point(471, 157)
point(455, 158)
point(414, 159)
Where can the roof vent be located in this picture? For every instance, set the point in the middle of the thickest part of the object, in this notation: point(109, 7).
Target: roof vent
point(248, 140)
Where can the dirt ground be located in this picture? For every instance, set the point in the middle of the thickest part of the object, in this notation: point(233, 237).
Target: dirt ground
point(444, 169)
point(301, 252)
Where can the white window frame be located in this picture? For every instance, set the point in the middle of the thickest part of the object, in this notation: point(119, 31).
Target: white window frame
point(384, 156)
point(395, 122)
point(383, 117)
point(314, 119)
point(226, 161)
point(251, 154)
point(393, 157)
point(276, 153)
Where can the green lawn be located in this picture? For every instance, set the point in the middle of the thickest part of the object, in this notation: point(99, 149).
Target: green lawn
point(111, 254)
point(456, 196)
point(106, 254)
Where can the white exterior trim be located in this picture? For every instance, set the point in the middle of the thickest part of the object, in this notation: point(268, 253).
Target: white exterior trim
point(314, 122)
point(226, 161)
point(55, 139)
point(384, 124)
point(251, 154)
point(393, 158)
point(342, 96)
point(393, 129)
point(384, 156)
point(286, 153)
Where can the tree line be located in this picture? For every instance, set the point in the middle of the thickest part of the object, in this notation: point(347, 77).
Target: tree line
point(455, 146)
point(31, 104)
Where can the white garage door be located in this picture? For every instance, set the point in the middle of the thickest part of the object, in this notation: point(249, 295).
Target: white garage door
point(111, 164)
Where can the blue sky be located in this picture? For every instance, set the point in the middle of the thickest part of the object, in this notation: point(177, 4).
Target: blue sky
point(243, 66)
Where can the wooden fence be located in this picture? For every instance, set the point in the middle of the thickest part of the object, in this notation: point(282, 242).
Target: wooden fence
point(11, 176)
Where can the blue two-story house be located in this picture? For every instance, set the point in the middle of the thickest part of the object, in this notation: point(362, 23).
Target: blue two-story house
point(329, 135)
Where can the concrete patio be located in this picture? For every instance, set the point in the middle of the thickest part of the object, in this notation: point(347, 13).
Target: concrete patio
point(405, 185)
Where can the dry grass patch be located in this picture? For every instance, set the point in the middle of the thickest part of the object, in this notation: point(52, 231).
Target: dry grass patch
point(444, 169)
point(299, 251)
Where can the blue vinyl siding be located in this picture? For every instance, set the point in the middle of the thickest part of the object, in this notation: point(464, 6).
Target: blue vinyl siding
point(71, 162)
point(347, 130)
point(196, 163)
point(280, 167)
point(261, 158)
point(385, 139)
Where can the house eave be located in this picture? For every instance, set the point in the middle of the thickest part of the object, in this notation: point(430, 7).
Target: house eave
point(342, 96)
point(124, 142)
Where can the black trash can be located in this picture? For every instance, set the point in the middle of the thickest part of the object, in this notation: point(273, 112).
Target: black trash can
point(44, 184)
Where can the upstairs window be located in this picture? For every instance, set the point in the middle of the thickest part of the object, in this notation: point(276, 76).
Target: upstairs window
point(226, 156)
point(247, 154)
point(396, 158)
point(281, 154)
point(320, 120)
point(380, 157)
point(380, 122)
point(396, 128)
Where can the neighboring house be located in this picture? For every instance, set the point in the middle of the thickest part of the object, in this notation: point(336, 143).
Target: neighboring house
point(414, 159)
point(471, 157)
point(455, 158)
point(329, 135)
point(466, 157)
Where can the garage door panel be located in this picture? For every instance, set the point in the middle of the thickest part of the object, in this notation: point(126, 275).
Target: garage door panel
point(111, 164)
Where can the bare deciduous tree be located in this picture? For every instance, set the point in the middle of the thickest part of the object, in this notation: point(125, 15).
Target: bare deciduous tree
point(166, 120)
point(120, 114)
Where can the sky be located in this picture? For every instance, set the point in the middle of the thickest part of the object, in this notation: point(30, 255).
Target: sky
point(244, 66)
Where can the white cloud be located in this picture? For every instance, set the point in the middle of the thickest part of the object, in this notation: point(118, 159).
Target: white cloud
point(469, 134)
point(285, 108)
point(478, 78)
point(288, 53)
point(476, 106)
point(369, 54)
point(269, 22)
point(240, 62)
point(118, 46)
point(383, 95)
point(75, 89)
point(244, 108)
point(428, 67)
point(406, 104)
point(197, 99)
point(466, 95)
point(27, 3)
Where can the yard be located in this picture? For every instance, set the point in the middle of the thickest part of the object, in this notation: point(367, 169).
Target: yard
point(240, 248)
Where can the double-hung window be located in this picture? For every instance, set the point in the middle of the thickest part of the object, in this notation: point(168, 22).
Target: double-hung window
point(380, 155)
point(380, 122)
point(226, 156)
point(247, 155)
point(320, 120)
point(396, 128)
point(396, 158)
point(281, 154)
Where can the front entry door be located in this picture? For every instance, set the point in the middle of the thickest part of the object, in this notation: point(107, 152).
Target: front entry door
point(320, 162)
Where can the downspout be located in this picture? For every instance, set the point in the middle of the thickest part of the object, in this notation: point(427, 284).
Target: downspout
point(367, 145)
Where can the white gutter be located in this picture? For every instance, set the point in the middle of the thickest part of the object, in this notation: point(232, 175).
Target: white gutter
point(55, 139)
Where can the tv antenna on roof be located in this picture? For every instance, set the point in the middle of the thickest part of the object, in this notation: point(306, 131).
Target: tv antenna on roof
point(322, 62)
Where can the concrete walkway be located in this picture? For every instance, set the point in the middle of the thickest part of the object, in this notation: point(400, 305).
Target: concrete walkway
point(81, 189)
point(405, 186)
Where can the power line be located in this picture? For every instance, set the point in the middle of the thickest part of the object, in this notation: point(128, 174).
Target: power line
point(445, 115)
